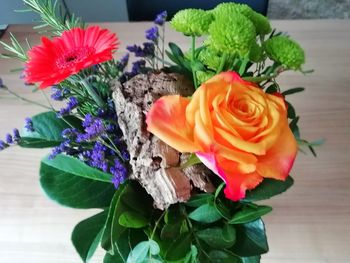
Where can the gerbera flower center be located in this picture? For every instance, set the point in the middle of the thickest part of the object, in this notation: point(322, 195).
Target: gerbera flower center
point(74, 56)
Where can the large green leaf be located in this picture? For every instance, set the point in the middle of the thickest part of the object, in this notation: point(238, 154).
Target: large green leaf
point(255, 259)
point(206, 213)
point(48, 129)
point(200, 199)
point(87, 235)
point(250, 239)
point(218, 256)
point(178, 248)
point(269, 188)
point(74, 191)
point(249, 213)
point(132, 219)
point(214, 237)
point(76, 167)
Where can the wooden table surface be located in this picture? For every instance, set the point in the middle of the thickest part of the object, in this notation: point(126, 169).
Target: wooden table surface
point(310, 223)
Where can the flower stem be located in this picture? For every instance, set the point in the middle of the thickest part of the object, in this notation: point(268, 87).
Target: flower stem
point(193, 58)
point(24, 99)
point(222, 63)
point(93, 93)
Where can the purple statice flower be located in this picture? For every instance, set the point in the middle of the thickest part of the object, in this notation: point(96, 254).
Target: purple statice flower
point(72, 103)
point(3, 145)
point(29, 125)
point(148, 49)
point(54, 152)
point(9, 139)
point(87, 120)
point(69, 133)
point(161, 18)
point(137, 67)
point(119, 173)
point(123, 62)
point(64, 147)
point(152, 34)
point(57, 94)
point(97, 157)
point(16, 136)
point(137, 50)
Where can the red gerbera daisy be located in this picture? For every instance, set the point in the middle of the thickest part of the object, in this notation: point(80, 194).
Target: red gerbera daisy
point(55, 60)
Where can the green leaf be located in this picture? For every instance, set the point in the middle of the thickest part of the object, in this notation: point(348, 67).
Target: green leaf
point(292, 91)
point(112, 259)
point(74, 191)
point(269, 188)
point(87, 235)
point(139, 253)
point(251, 239)
point(48, 129)
point(177, 248)
point(132, 219)
point(192, 160)
point(214, 237)
point(272, 89)
point(176, 50)
point(218, 256)
point(206, 213)
point(291, 111)
point(293, 125)
point(249, 213)
point(200, 199)
point(76, 167)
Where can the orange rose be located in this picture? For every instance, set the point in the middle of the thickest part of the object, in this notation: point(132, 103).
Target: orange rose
point(236, 129)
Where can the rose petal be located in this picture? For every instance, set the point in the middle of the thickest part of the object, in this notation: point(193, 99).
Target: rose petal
point(279, 159)
point(166, 119)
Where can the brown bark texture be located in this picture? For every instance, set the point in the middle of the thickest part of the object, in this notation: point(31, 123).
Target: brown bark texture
point(154, 164)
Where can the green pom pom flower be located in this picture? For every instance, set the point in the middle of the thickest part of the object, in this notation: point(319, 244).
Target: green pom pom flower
point(232, 34)
point(285, 51)
point(261, 23)
point(210, 58)
point(192, 22)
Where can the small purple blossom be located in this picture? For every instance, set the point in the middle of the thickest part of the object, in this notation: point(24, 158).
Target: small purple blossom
point(152, 34)
point(3, 145)
point(72, 104)
point(29, 125)
point(9, 139)
point(93, 127)
point(123, 62)
point(54, 152)
point(1, 83)
point(137, 50)
point(16, 136)
point(97, 157)
point(137, 67)
point(69, 133)
point(87, 120)
point(57, 94)
point(148, 49)
point(119, 173)
point(161, 18)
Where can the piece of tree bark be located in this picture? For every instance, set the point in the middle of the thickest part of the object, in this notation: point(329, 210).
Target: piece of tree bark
point(155, 164)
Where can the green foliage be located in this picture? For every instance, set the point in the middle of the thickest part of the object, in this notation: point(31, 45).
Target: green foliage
point(145, 251)
point(16, 50)
point(47, 131)
point(268, 188)
point(206, 213)
point(251, 239)
point(75, 191)
point(285, 51)
point(51, 15)
point(249, 213)
point(192, 22)
point(87, 235)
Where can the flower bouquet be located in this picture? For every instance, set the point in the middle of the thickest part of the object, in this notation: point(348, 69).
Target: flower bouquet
point(175, 150)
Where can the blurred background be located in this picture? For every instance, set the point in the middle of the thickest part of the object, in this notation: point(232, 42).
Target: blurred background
point(122, 10)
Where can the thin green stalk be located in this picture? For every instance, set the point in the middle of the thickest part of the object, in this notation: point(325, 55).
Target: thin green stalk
point(193, 58)
point(243, 66)
point(157, 223)
point(92, 93)
point(26, 100)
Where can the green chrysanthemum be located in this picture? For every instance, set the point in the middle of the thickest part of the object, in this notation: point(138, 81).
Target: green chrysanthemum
point(285, 51)
point(261, 23)
point(203, 76)
point(210, 58)
point(192, 22)
point(232, 34)
point(256, 53)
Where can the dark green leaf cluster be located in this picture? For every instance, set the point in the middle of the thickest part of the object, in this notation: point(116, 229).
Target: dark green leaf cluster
point(207, 228)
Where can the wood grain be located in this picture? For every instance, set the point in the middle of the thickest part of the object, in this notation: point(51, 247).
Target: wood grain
point(310, 223)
